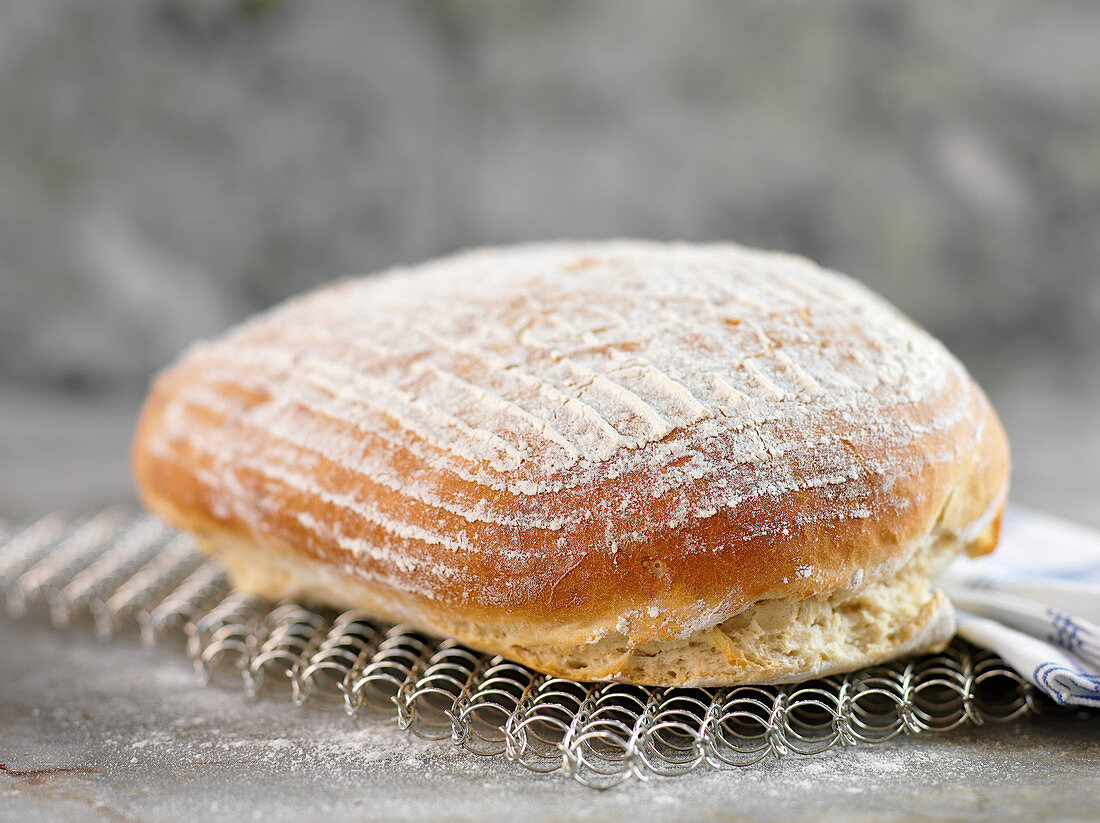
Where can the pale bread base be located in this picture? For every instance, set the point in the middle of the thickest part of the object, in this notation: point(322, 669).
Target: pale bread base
point(778, 640)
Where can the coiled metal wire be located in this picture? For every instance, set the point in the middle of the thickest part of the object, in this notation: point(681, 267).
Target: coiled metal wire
point(119, 571)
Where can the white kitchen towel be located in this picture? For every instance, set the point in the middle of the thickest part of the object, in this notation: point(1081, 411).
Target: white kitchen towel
point(1036, 602)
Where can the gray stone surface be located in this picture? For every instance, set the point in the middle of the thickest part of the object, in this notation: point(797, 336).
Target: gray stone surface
point(114, 732)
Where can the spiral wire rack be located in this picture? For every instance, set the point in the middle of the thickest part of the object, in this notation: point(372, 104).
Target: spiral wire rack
point(123, 572)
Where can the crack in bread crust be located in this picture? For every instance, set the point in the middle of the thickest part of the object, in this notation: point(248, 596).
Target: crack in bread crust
point(776, 640)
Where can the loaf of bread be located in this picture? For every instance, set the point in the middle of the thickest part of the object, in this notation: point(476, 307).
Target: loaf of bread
point(661, 464)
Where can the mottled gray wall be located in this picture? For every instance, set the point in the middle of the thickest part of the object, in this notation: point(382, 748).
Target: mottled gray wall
point(169, 166)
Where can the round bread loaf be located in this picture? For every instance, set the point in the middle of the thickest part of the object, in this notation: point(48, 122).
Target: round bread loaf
point(663, 464)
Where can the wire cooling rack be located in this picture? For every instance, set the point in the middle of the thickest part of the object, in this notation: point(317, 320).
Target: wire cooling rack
point(127, 573)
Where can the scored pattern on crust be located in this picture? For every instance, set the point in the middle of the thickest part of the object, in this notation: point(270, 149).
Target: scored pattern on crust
point(477, 429)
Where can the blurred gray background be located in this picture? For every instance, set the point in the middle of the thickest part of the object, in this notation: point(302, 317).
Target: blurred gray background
point(168, 167)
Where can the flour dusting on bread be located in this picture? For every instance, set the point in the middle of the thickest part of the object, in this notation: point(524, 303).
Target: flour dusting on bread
point(608, 432)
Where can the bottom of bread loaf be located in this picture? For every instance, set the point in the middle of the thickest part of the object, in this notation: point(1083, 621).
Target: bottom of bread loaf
point(775, 641)
point(779, 640)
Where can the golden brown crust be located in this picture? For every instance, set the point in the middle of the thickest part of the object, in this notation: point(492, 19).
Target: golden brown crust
point(569, 551)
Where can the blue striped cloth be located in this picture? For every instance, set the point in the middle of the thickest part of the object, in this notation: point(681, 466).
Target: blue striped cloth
point(1036, 602)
